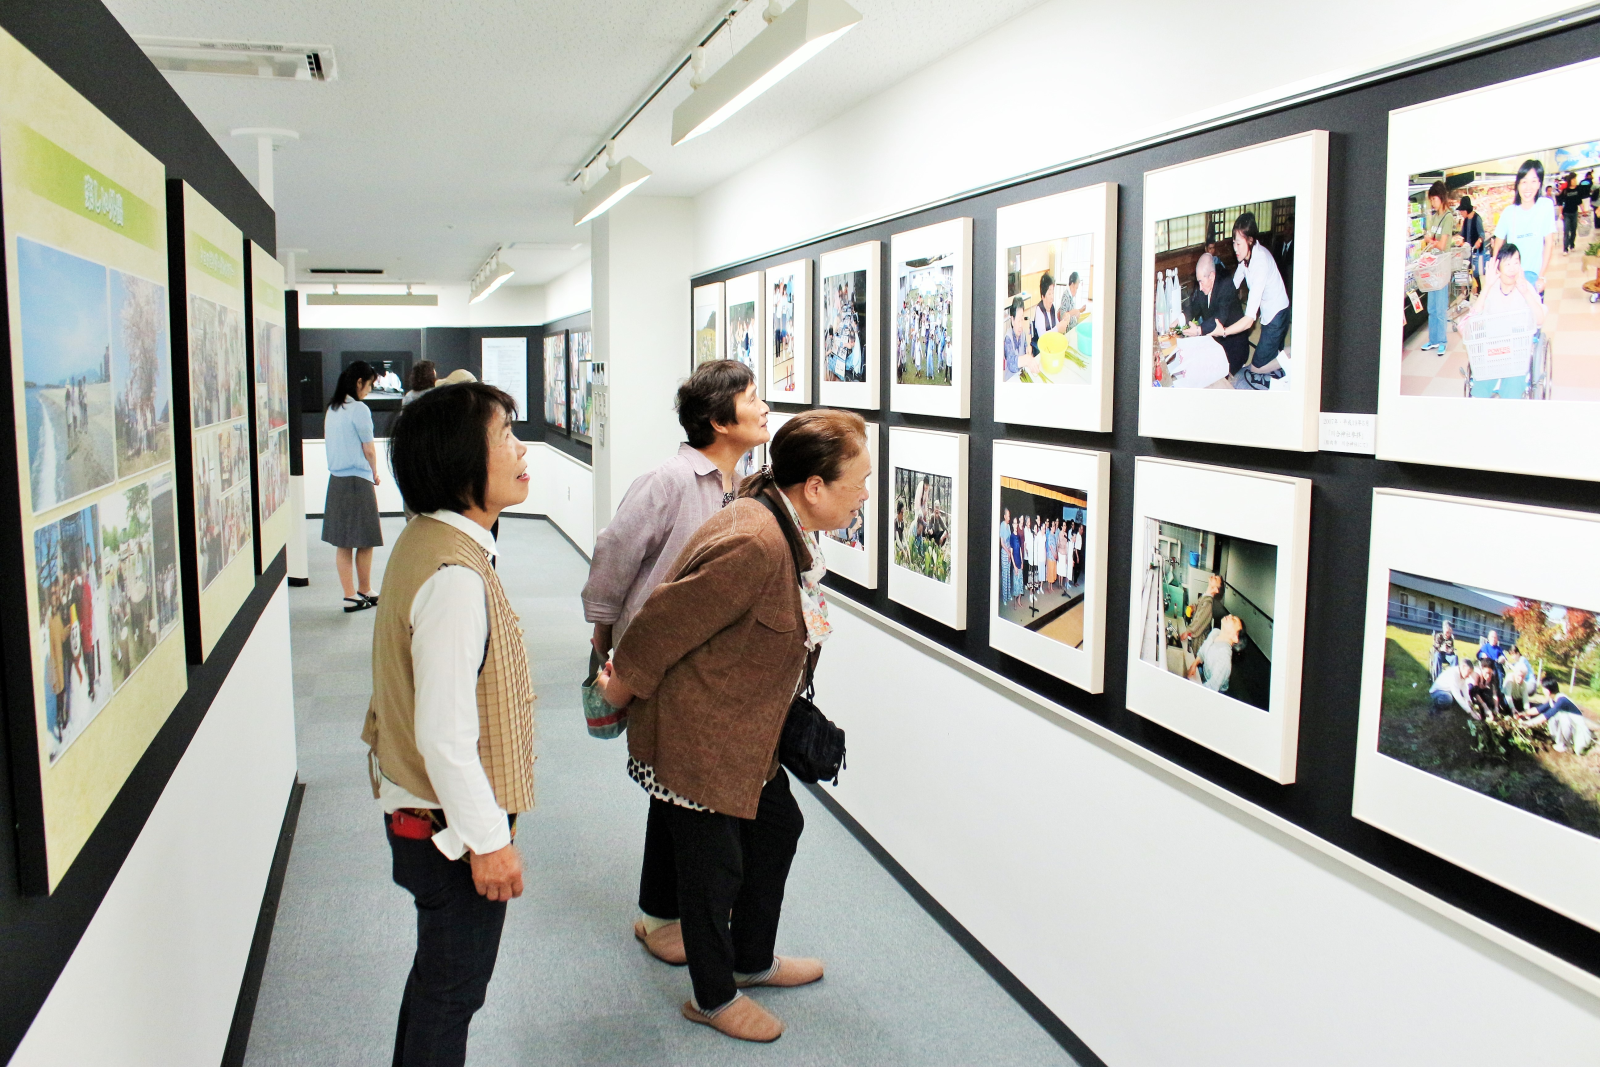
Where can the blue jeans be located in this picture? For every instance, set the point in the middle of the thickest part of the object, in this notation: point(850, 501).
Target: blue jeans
point(1438, 312)
point(1270, 343)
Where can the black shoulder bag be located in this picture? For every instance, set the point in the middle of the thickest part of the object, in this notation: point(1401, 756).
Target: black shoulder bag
point(812, 747)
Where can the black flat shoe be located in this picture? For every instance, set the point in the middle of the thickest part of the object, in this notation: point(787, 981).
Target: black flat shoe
point(370, 598)
point(357, 603)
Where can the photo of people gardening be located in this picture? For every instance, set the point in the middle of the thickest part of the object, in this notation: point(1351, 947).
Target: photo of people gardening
point(1503, 279)
point(1040, 543)
point(1496, 693)
point(922, 504)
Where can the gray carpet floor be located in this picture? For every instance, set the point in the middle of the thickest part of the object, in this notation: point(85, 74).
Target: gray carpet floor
point(572, 987)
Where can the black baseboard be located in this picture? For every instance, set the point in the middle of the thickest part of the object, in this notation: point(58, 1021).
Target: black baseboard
point(1025, 998)
point(299, 583)
point(244, 1010)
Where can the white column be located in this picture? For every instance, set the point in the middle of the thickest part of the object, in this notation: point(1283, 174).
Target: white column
point(264, 168)
point(642, 257)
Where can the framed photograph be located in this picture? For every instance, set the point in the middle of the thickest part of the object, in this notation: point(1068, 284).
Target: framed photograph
point(270, 356)
point(847, 333)
point(932, 302)
point(1480, 693)
point(555, 381)
point(1056, 273)
point(1231, 304)
point(1216, 618)
point(94, 659)
point(788, 349)
point(709, 339)
point(1047, 562)
point(1489, 325)
point(745, 331)
point(853, 551)
point(928, 522)
point(580, 384)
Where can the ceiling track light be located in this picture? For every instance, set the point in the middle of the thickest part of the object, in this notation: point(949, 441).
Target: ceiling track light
point(489, 277)
point(619, 179)
point(800, 32)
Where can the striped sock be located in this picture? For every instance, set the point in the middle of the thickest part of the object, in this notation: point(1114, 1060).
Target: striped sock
point(758, 977)
point(714, 1012)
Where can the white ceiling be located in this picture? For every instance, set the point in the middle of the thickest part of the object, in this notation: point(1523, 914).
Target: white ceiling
point(453, 125)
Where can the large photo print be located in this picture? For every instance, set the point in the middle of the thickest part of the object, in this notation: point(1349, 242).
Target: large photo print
point(844, 324)
point(922, 503)
point(76, 682)
point(1041, 539)
point(1048, 334)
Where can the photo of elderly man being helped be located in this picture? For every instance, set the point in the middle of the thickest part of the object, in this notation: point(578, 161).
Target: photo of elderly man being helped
point(708, 670)
point(450, 726)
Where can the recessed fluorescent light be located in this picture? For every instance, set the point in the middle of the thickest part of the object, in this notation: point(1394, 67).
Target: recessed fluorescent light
point(241, 59)
point(805, 29)
point(603, 195)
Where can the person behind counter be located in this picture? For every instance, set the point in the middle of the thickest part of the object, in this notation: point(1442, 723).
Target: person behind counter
point(1437, 238)
point(1215, 304)
point(1268, 302)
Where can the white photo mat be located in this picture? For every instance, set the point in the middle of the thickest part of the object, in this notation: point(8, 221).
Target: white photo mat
point(952, 237)
point(860, 565)
point(794, 277)
point(868, 257)
point(1091, 210)
point(1271, 509)
point(1294, 166)
point(505, 366)
point(945, 454)
point(747, 289)
point(1510, 119)
point(1536, 857)
point(1067, 467)
point(707, 302)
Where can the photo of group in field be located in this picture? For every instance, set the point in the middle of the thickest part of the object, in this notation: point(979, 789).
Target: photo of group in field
point(1222, 304)
point(1040, 545)
point(1502, 272)
point(141, 573)
point(1497, 693)
point(922, 503)
point(217, 368)
point(76, 679)
point(1208, 601)
point(844, 324)
point(923, 320)
point(1048, 331)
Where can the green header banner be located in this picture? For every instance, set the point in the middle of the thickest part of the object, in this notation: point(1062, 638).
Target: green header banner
point(214, 261)
point(63, 179)
point(268, 295)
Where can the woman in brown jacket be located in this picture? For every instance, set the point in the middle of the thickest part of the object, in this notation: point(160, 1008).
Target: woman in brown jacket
point(714, 659)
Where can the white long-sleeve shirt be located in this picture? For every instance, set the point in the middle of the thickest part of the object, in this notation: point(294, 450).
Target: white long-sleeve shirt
point(1268, 296)
point(449, 630)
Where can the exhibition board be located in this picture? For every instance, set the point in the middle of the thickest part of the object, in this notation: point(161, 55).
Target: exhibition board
point(1317, 181)
point(269, 414)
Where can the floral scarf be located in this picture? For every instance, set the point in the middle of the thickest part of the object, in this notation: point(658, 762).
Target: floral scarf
point(813, 605)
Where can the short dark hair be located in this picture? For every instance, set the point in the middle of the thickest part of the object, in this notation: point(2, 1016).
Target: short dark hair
point(1507, 250)
point(1438, 191)
point(424, 375)
point(1550, 684)
point(1047, 281)
point(1246, 224)
point(439, 446)
point(711, 395)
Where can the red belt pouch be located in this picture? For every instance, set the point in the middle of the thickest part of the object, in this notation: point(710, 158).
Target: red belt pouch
point(411, 827)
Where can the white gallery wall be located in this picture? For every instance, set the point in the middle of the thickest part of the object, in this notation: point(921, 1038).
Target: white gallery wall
point(1066, 80)
point(155, 978)
point(510, 305)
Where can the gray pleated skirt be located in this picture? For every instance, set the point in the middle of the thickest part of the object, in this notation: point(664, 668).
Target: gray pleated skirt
point(350, 517)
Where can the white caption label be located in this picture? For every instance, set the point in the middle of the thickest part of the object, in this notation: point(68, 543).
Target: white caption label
point(1345, 431)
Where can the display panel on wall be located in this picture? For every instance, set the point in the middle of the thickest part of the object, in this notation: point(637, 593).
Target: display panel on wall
point(555, 381)
point(505, 366)
point(1216, 616)
point(852, 552)
point(789, 333)
point(580, 383)
point(97, 661)
point(928, 523)
point(218, 417)
point(745, 330)
point(706, 329)
point(1231, 305)
point(847, 333)
point(272, 400)
point(1047, 562)
point(931, 297)
point(1479, 699)
point(1508, 337)
point(1056, 276)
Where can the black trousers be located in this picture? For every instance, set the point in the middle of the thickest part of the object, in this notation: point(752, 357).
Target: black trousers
point(458, 939)
point(1570, 233)
point(731, 876)
point(658, 876)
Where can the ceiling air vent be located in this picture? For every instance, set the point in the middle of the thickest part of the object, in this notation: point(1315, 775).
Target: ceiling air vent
point(345, 270)
point(242, 59)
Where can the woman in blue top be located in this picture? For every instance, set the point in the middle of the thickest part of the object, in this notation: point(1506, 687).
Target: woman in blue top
point(350, 516)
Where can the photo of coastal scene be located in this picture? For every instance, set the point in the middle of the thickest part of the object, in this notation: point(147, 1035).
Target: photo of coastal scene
point(1040, 545)
point(1496, 692)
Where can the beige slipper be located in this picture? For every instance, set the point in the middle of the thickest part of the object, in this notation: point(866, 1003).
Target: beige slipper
point(792, 971)
point(743, 1019)
point(666, 944)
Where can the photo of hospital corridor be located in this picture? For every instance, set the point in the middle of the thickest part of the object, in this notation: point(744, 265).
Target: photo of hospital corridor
point(1041, 545)
point(1195, 584)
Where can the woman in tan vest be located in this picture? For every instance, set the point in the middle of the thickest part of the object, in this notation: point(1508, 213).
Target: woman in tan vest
point(450, 726)
point(714, 659)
